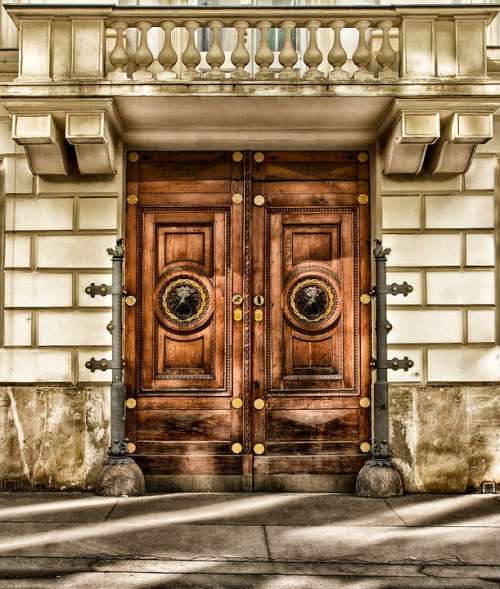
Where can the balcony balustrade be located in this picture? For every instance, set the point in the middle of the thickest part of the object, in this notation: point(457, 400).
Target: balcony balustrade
point(329, 45)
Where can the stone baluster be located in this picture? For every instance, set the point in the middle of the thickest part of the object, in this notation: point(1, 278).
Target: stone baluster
point(191, 56)
point(362, 57)
point(143, 56)
point(119, 56)
point(288, 55)
point(215, 55)
point(313, 56)
point(264, 56)
point(240, 56)
point(386, 55)
point(167, 56)
point(337, 56)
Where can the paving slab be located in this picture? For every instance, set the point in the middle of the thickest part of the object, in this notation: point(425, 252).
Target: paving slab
point(450, 545)
point(297, 509)
point(210, 581)
point(120, 539)
point(54, 507)
point(448, 510)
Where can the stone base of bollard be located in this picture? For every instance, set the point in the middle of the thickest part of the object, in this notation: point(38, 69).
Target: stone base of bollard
point(378, 480)
point(120, 480)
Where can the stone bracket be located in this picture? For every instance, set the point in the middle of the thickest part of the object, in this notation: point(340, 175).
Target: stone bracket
point(91, 135)
point(408, 141)
point(453, 152)
point(43, 143)
point(393, 364)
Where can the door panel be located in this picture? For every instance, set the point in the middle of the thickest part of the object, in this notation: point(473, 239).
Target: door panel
point(259, 391)
point(185, 351)
point(311, 367)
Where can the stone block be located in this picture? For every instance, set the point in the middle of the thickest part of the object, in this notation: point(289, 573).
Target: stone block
point(481, 174)
point(38, 214)
point(421, 183)
point(439, 459)
point(73, 251)
point(84, 374)
point(17, 251)
point(483, 434)
point(412, 278)
point(18, 176)
point(449, 212)
point(480, 249)
point(109, 185)
point(34, 45)
point(18, 365)
point(417, 51)
point(461, 288)
point(36, 289)
point(64, 431)
point(98, 213)
point(402, 431)
point(17, 328)
point(401, 212)
point(88, 49)
point(91, 135)
point(414, 374)
point(424, 326)
point(7, 144)
point(481, 326)
point(464, 364)
point(493, 146)
point(84, 300)
point(76, 328)
point(423, 250)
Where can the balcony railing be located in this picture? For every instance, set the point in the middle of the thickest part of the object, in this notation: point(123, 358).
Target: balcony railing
point(214, 45)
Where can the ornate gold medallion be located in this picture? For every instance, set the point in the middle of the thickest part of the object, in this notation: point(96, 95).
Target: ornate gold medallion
point(184, 300)
point(312, 300)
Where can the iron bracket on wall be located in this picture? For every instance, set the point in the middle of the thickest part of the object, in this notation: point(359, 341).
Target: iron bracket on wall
point(94, 289)
point(381, 452)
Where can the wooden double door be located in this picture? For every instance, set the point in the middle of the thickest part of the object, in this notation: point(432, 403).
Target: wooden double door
point(247, 351)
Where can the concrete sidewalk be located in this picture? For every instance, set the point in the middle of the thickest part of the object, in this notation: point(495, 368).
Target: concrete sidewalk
point(240, 541)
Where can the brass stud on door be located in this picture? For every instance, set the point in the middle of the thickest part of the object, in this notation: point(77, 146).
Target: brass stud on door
point(130, 301)
point(363, 199)
point(237, 198)
point(131, 448)
point(236, 448)
point(133, 157)
point(258, 200)
point(259, 449)
point(237, 156)
point(131, 403)
point(365, 447)
point(132, 199)
point(259, 404)
point(365, 299)
point(365, 402)
point(362, 157)
point(237, 403)
point(258, 157)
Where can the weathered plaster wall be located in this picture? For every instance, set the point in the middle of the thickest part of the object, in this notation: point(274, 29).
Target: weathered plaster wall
point(52, 437)
point(446, 438)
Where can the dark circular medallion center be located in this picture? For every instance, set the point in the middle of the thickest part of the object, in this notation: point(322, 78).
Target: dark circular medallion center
point(311, 301)
point(183, 301)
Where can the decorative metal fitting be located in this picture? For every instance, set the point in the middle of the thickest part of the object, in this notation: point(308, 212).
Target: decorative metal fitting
point(388, 326)
point(236, 448)
point(93, 289)
point(116, 252)
point(109, 326)
point(259, 404)
point(101, 364)
point(394, 289)
point(259, 449)
point(393, 364)
point(259, 200)
point(380, 251)
point(237, 403)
